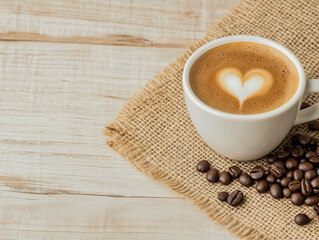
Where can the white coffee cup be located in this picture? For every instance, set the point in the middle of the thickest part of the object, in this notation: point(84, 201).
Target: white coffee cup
point(248, 137)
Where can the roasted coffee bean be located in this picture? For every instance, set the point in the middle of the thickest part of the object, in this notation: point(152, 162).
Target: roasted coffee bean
point(203, 166)
point(212, 175)
point(302, 219)
point(222, 196)
point(304, 166)
point(306, 188)
point(225, 178)
point(298, 175)
point(315, 185)
point(303, 160)
point(295, 139)
point(234, 171)
point(283, 155)
point(297, 198)
point(285, 181)
point(294, 185)
point(235, 198)
point(287, 192)
point(266, 169)
point(310, 154)
point(317, 149)
point(314, 141)
point(317, 172)
point(313, 125)
point(245, 180)
point(297, 153)
point(262, 186)
point(304, 105)
point(290, 174)
point(272, 158)
point(276, 171)
point(257, 173)
point(316, 209)
point(314, 160)
point(310, 174)
point(304, 139)
point(312, 200)
point(279, 164)
point(291, 163)
point(271, 179)
point(276, 191)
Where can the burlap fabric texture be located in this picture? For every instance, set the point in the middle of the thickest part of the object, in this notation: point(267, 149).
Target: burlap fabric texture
point(154, 132)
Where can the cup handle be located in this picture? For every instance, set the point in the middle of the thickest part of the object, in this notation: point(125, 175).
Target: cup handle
point(310, 113)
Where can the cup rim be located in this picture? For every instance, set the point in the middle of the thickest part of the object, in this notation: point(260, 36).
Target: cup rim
point(243, 38)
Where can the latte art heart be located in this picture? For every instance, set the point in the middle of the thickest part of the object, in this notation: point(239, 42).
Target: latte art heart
point(254, 83)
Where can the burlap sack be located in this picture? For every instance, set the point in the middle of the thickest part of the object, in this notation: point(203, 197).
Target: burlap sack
point(154, 132)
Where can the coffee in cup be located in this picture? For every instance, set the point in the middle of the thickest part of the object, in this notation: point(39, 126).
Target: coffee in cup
point(244, 78)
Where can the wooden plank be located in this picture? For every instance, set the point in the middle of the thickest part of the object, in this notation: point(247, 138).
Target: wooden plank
point(55, 100)
point(30, 216)
point(135, 23)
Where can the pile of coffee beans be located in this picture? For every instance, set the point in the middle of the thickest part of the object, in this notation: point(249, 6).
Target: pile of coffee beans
point(291, 173)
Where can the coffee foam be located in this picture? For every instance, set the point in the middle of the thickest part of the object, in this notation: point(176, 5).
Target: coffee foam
point(244, 78)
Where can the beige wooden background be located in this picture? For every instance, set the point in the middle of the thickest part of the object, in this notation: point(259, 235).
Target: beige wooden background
point(66, 68)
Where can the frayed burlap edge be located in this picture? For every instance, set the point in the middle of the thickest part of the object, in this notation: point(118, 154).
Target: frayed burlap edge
point(136, 155)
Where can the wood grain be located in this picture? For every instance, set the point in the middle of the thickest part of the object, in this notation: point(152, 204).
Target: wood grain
point(66, 68)
point(131, 23)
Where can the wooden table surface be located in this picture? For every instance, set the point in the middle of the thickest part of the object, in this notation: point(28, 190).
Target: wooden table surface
point(66, 68)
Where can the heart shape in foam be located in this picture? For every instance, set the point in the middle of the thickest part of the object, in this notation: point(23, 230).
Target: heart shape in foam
point(255, 82)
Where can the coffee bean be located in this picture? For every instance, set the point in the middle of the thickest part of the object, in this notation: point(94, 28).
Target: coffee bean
point(222, 196)
point(266, 169)
point(302, 219)
point(317, 150)
point(303, 160)
point(276, 171)
point(314, 141)
point(313, 125)
point(291, 163)
point(297, 153)
point(272, 158)
point(294, 186)
point(317, 172)
point(295, 139)
point(287, 192)
point(298, 175)
point(245, 180)
point(304, 139)
point(304, 105)
point(225, 178)
point(257, 173)
point(306, 188)
point(304, 166)
point(289, 148)
point(271, 179)
point(312, 200)
point(316, 209)
point(310, 174)
point(234, 171)
point(262, 186)
point(212, 175)
point(235, 198)
point(276, 191)
point(314, 160)
point(310, 154)
point(279, 164)
point(203, 166)
point(283, 155)
point(290, 174)
point(297, 198)
point(278, 180)
point(315, 185)
point(285, 181)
